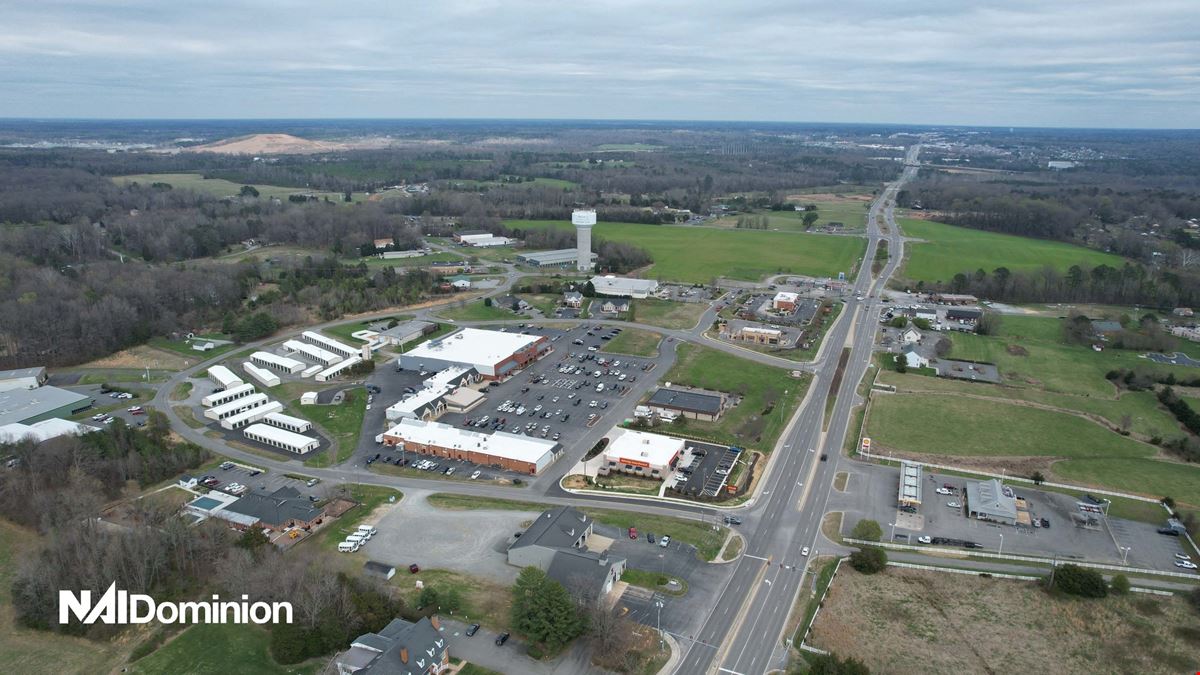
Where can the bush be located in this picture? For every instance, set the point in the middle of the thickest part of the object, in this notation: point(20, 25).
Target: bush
point(830, 664)
point(869, 560)
point(867, 530)
point(1119, 585)
point(1076, 580)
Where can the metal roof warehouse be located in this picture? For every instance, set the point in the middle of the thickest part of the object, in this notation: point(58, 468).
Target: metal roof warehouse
point(694, 404)
point(493, 354)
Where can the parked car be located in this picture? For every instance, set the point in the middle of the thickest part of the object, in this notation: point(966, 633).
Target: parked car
point(413, 568)
point(633, 533)
point(650, 537)
point(1185, 564)
point(954, 505)
point(944, 491)
point(476, 475)
point(925, 540)
point(472, 630)
point(1182, 556)
point(1169, 531)
point(665, 541)
point(312, 481)
point(501, 639)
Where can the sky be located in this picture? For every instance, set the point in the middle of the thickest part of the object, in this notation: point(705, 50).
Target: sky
point(1100, 63)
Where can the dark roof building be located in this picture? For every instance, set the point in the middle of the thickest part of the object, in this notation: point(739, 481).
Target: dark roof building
point(282, 508)
point(377, 569)
point(964, 314)
point(1103, 327)
point(401, 648)
point(556, 543)
point(562, 527)
point(694, 404)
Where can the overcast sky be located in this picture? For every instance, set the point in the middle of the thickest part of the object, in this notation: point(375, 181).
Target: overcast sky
point(1107, 63)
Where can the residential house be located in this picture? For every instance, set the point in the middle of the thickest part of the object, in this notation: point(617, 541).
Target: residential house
point(557, 543)
point(910, 337)
point(614, 306)
point(573, 299)
point(401, 648)
point(912, 358)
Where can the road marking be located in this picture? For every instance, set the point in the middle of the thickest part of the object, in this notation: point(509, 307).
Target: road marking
point(726, 670)
point(747, 555)
point(767, 582)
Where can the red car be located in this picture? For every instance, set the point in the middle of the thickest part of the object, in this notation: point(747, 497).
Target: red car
point(413, 569)
point(633, 533)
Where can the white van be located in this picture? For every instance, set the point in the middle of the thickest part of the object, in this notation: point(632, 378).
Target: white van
point(356, 539)
point(600, 387)
point(347, 547)
point(367, 530)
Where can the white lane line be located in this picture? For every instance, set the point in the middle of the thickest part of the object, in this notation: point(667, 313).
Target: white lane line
point(756, 557)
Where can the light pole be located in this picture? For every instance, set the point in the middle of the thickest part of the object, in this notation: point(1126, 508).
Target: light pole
point(1124, 554)
point(893, 532)
point(1001, 550)
point(658, 623)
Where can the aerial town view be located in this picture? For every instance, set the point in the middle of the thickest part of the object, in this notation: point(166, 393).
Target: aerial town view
point(635, 338)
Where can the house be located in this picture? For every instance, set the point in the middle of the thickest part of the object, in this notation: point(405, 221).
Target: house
point(615, 306)
point(188, 482)
point(279, 510)
point(913, 359)
point(964, 315)
point(511, 302)
point(1106, 327)
point(910, 337)
point(573, 299)
point(460, 282)
point(557, 543)
point(401, 648)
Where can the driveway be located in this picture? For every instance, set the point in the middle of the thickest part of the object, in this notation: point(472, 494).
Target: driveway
point(510, 658)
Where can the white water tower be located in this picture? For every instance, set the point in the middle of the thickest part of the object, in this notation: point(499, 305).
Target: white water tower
point(583, 220)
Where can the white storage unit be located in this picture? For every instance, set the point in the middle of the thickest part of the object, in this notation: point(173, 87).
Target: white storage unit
point(265, 377)
point(329, 343)
point(333, 370)
point(278, 419)
point(223, 377)
point(312, 370)
point(234, 407)
point(228, 395)
point(281, 438)
point(312, 352)
point(252, 415)
point(275, 362)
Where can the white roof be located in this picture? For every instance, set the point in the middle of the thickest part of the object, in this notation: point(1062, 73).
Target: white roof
point(224, 376)
point(263, 375)
point(234, 391)
point(786, 296)
point(284, 362)
point(614, 285)
point(338, 367)
point(237, 404)
point(499, 444)
point(43, 431)
point(288, 419)
point(756, 330)
point(408, 407)
point(474, 346)
point(322, 355)
point(289, 438)
point(653, 449)
point(252, 414)
point(330, 343)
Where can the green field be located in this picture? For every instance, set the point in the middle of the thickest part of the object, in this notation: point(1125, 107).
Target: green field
point(477, 311)
point(761, 388)
point(218, 187)
point(667, 313)
point(635, 342)
point(218, 649)
point(698, 254)
point(851, 214)
point(344, 422)
point(948, 250)
point(184, 347)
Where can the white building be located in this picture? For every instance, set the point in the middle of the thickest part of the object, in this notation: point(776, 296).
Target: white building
point(484, 240)
point(308, 398)
point(510, 451)
point(234, 407)
point(493, 354)
point(230, 394)
point(251, 415)
point(23, 378)
point(641, 454)
point(912, 358)
point(281, 438)
point(910, 337)
point(333, 371)
point(313, 353)
point(42, 431)
point(624, 287)
point(315, 338)
point(223, 377)
point(293, 424)
point(265, 377)
point(785, 301)
point(275, 362)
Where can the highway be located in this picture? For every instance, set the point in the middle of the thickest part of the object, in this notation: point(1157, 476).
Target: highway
point(743, 634)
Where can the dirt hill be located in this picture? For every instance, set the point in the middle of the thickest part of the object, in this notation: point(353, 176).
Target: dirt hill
point(267, 144)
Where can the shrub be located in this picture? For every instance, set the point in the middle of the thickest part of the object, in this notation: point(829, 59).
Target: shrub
point(831, 664)
point(869, 560)
point(867, 530)
point(1076, 580)
point(1119, 585)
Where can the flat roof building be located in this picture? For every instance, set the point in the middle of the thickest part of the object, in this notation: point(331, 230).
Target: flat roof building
point(910, 484)
point(493, 354)
point(230, 394)
point(277, 363)
point(338, 368)
point(508, 451)
point(223, 377)
point(265, 377)
point(991, 500)
point(281, 438)
point(26, 406)
point(785, 301)
point(697, 405)
point(312, 352)
point(39, 432)
point(405, 331)
point(293, 424)
point(23, 378)
point(624, 287)
point(566, 257)
point(328, 343)
point(641, 454)
point(231, 408)
point(251, 415)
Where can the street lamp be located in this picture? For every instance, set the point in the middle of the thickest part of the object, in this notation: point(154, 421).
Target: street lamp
point(1001, 550)
point(893, 532)
point(658, 622)
point(1124, 554)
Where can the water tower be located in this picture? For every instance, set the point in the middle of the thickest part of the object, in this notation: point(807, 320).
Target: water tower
point(583, 220)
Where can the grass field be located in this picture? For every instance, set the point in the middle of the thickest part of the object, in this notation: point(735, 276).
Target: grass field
point(477, 311)
point(483, 601)
point(222, 188)
point(218, 649)
point(184, 348)
point(762, 388)
point(344, 422)
point(706, 537)
point(546, 303)
point(697, 254)
point(948, 250)
point(912, 621)
point(635, 342)
point(852, 214)
point(666, 313)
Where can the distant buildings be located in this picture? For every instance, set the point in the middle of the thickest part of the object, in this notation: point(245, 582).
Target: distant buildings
point(565, 257)
point(493, 354)
point(27, 406)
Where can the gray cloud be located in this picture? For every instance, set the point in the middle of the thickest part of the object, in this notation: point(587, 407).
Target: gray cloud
point(1020, 62)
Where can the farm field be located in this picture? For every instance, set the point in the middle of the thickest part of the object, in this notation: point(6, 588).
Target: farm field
point(634, 342)
point(667, 314)
point(762, 388)
point(948, 250)
point(218, 187)
point(697, 254)
point(910, 621)
point(242, 649)
point(851, 213)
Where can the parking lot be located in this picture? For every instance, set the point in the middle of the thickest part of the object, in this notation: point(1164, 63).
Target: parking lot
point(872, 494)
point(257, 480)
point(566, 395)
point(704, 469)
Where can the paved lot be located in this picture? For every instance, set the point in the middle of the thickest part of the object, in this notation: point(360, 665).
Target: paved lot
point(872, 494)
point(701, 465)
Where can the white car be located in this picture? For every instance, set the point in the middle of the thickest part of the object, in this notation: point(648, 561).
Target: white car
point(925, 540)
point(954, 505)
point(476, 475)
point(664, 541)
point(1185, 564)
point(804, 551)
point(944, 491)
